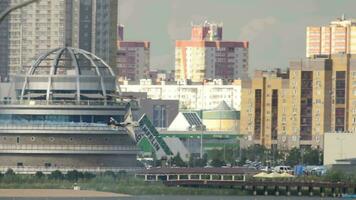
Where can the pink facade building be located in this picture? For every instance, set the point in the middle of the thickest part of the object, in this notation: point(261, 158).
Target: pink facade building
point(207, 56)
point(133, 58)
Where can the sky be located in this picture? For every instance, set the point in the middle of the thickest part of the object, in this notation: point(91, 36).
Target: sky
point(275, 29)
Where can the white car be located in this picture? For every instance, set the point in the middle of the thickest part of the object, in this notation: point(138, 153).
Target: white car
point(282, 169)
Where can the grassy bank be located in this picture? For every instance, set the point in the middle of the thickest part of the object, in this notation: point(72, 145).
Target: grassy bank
point(126, 184)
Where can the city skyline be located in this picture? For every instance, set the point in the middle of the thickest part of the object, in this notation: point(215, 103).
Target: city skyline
point(275, 29)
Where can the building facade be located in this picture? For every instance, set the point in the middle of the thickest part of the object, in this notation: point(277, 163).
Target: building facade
point(206, 56)
point(317, 95)
point(338, 37)
point(58, 119)
point(45, 25)
point(133, 58)
point(191, 96)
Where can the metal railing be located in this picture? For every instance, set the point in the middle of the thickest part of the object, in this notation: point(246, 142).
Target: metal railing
point(68, 147)
point(48, 170)
point(67, 126)
point(65, 102)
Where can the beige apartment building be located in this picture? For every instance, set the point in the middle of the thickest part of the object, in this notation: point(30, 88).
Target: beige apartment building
point(337, 37)
point(291, 109)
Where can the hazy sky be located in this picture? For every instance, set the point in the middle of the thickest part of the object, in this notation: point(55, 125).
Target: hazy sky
point(274, 28)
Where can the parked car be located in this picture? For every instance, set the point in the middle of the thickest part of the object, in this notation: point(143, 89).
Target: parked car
point(282, 169)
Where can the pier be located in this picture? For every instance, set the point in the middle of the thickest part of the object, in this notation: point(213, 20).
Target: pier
point(241, 178)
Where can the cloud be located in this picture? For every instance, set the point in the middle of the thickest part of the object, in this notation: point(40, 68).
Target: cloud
point(256, 27)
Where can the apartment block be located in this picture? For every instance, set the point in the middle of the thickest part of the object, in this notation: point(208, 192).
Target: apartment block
point(207, 56)
point(191, 96)
point(133, 58)
point(337, 37)
point(264, 107)
point(291, 109)
point(45, 25)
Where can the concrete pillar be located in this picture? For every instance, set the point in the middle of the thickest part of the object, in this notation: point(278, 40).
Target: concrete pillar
point(211, 177)
point(199, 176)
point(156, 176)
point(244, 177)
point(178, 177)
point(276, 190)
point(265, 190)
point(167, 177)
point(189, 177)
point(299, 190)
point(287, 191)
point(233, 178)
point(311, 191)
point(254, 190)
point(145, 177)
point(222, 177)
point(333, 192)
point(322, 193)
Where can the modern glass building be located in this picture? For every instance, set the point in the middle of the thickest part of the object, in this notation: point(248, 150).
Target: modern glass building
point(56, 116)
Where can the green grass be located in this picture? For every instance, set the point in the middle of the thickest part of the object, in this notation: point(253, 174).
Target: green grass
point(125, 185)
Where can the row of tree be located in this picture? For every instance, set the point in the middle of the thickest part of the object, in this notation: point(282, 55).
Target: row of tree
point(256, 153)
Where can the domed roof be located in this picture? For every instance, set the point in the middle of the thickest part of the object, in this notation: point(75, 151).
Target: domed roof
point(68, 61)
point(66, 73)
point(223, 107)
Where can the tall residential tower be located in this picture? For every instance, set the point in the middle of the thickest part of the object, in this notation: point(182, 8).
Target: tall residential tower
point(36, 28)
point(337, 37)
point(207, 56)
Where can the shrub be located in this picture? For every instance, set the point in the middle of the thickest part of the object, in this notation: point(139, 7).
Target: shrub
point(39, 174)
point(10, 172)
point(74, 175)
point(56, 175)
point(88, 175)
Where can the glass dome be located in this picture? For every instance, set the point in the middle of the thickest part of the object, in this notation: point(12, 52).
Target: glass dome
point(66, 74)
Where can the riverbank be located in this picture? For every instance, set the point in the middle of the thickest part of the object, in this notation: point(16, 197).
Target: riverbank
point(127, 184)
point(55, 193)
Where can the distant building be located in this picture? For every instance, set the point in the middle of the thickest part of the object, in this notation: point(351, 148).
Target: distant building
point(133, 58)
point(338, 37)
point(206, 56)
point(191, 96)
point(296, 108)
point(45, 25)
point(161, 75)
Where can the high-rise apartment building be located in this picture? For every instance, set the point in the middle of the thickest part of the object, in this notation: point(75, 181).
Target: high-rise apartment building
point(133, 58)
point(207, 56)
point(289, 109)
point(338, 37)
point(38, 27)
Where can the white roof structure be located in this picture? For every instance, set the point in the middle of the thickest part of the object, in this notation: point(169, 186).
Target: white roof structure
point(186, 121)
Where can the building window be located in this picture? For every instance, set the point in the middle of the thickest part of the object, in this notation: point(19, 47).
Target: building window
point(18, 140)
point(51, 139)
point(33, 139)
point(160, 116)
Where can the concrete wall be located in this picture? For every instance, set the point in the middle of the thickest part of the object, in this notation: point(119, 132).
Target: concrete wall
point(338, 146)
point(72, 161)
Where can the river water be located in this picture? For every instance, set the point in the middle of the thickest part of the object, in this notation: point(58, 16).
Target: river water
point(181, 198)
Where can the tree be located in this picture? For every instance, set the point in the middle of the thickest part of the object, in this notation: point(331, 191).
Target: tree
point(39, 174)
point(177, 161)
point(217, 162)
point(74, 175)
point(10, 172)
point(88, 175)
point(312, 157)
point(56, 175)
point(197, 161)
point(110, 174)
point(293, 157)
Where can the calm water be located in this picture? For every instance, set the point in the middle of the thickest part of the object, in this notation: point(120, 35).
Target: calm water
point(181, 198)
